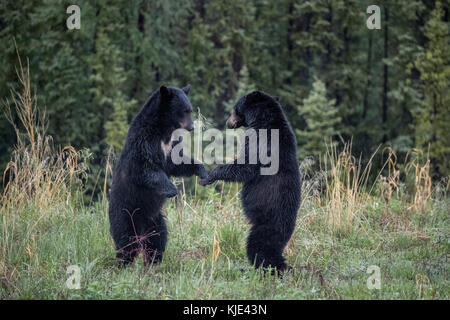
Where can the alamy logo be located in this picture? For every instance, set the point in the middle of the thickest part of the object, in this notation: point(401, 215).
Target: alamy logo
point(374, 20)
point(74, 20)
point(73, 282)
point(374, 281)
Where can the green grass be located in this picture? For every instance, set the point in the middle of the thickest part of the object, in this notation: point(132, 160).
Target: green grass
point(410, 249)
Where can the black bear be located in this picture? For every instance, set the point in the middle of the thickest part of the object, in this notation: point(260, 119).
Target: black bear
point(270, 201)
point(141, 176)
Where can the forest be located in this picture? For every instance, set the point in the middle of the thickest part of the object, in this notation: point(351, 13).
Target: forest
point(336, 78)
point(370, 109)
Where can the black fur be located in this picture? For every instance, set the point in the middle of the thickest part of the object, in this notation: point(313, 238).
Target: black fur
point(141, 176)
point(270, 202)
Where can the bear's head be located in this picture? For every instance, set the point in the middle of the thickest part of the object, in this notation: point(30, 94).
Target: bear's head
point(176, 107)
point(255, 107)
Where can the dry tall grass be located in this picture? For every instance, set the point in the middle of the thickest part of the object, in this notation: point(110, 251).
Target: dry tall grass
point(37, 181)
point(37, 174)
point(345, 183)
point(420, 168)
point(345, 193)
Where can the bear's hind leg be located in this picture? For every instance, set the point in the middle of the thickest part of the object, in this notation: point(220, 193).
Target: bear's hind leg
point(126, 254)
point(154, 241)
point(265, 246)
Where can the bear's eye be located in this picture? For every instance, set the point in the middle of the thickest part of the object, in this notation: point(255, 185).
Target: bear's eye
point(187, 111)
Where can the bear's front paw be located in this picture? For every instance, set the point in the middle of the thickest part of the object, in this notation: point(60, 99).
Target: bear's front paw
point(202, 173)
point(205, 181)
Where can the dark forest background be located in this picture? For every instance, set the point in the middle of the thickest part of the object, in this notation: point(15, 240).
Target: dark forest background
point(335, 78)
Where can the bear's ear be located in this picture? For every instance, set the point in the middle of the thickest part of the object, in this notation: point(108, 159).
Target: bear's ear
point(254, 96)
point(186, 89)
point(276, 98)
point(164, 92)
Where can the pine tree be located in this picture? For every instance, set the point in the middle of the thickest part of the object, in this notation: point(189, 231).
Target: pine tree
point(322, 121)
point(116, 127)
point(216, 52)
point(111, 102)
point(399, 93)
point(433, 121)
point(58, 64)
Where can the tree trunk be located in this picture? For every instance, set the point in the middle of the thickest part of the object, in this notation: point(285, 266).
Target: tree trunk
point(368, 75)
point(384, 110)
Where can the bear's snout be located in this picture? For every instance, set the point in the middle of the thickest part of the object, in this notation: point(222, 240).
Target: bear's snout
point(190, 127)
point(230, 124)
point(232, 121)
point(187, 125)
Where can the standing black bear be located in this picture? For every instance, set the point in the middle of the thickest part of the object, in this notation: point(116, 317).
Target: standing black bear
point(270, 202)
point(141, 177)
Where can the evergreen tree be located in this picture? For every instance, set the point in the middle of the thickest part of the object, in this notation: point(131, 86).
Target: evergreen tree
point(433, 121)
point(322, 121)
point(111, 103)
point(216, 51)
point(400, 48)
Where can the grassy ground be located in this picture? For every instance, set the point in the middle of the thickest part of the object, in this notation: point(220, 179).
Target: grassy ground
point(206, 252)
point(398, 223)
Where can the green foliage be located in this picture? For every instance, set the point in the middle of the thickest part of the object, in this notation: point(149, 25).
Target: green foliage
point(216, 50)
point(433, 120)
point(322, 121)
point(110, 101)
